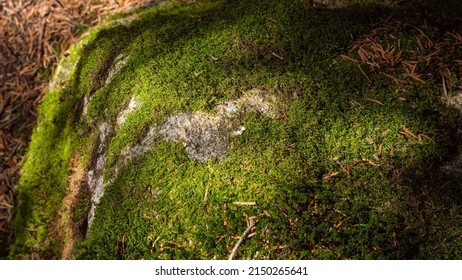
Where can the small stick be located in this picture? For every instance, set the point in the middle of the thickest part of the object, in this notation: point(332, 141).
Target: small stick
point(123, 242)
point(244, 236)
point(278, 56)
point(245, 203)
point(415, 77)
point(345, 57)
point(445, 89)
point(154, 244)
point(372, 64)
point(375, 101)
point(379, 152)
point(409, 133)
point(252, 234)
point(206, 193)
point(423, 135)
point(370, 82)
point(329, 175)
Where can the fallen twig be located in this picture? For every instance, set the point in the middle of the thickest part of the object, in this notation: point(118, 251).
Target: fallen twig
point(245, 203)
point(347, 58)
point(278, 56)
point(330, 175)
point(370, 82)
point(445, 89)
point(206, 193)
point(375, 101)
point(244, 236)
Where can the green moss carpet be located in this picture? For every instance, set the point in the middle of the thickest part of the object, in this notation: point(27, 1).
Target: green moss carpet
point(166, 131)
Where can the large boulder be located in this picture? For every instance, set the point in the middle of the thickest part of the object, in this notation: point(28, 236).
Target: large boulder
point(167, 133)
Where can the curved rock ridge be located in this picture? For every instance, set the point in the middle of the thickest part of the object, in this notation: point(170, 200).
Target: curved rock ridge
point(204, 136)
point(95, 178)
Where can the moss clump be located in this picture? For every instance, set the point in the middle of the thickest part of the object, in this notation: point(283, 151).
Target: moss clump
point(331, 176)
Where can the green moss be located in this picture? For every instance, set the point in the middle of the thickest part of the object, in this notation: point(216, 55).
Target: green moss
point(321, 187)
point(44, 178)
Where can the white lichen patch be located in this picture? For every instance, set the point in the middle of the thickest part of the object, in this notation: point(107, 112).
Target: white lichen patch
point(145, 145)
point(206, 136)
point(95, 178)
point(203, 135)
point(68, 64)
point(128, 19)
point(117, 65)
point(63, 74)
point(455, 165)
point(122, 21)
point(454, 100)
point(253, 101)
point(132, 106)
point(238, 132)
point(86, 101)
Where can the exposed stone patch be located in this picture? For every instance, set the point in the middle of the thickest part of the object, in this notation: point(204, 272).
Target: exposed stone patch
point(122, 21)
point(206, 136)
point(131, 107)
point(67, 65)
point(144, 146)
point(95, 178)
point(129, 19)
point(86, 101)
point(117, 65)
point(455, 165)
point(62, 75)
point(203, 135)
point(253, 101)
point(454, 101)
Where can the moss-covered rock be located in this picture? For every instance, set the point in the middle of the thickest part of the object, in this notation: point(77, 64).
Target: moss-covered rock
point(166, 131)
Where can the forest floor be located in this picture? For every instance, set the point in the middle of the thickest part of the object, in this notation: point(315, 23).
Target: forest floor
point(33, 34)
